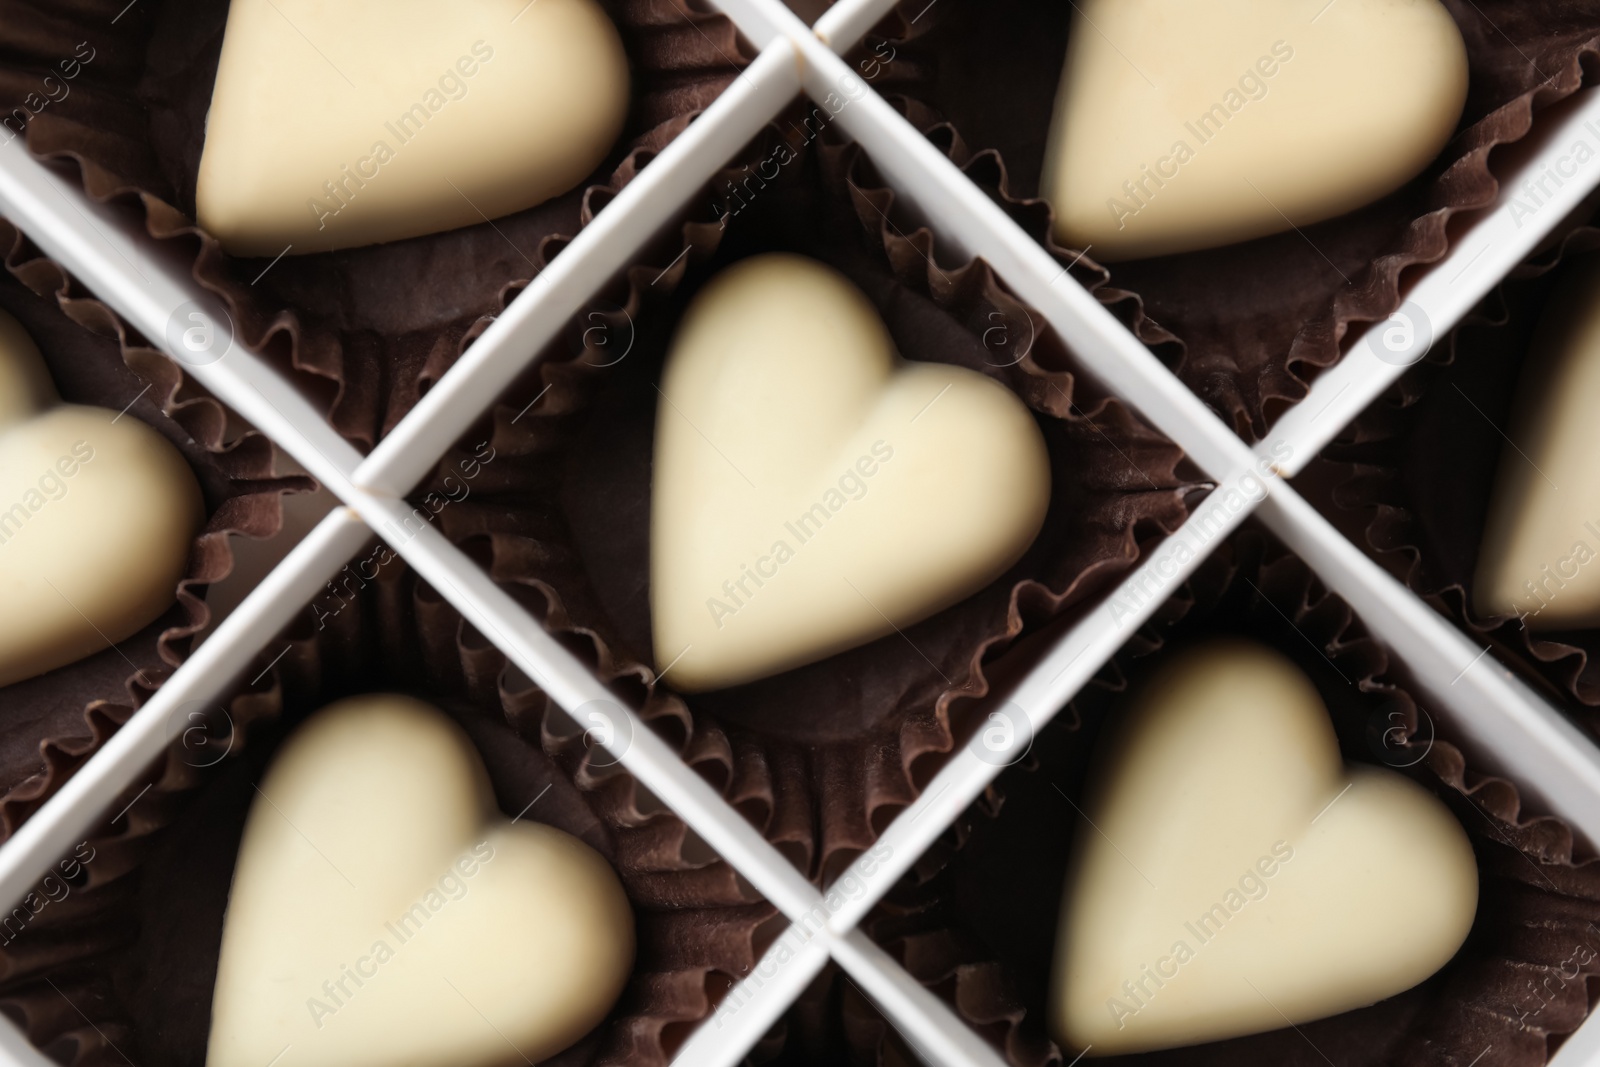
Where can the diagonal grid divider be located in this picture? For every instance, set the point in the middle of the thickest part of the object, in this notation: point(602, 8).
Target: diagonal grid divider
point(374, 487)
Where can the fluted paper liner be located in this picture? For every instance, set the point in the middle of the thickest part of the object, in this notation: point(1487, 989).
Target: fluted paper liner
point(1247, 327)
point(50, 724)
point(819, 757)
point(976, 920)
point(366, 330)
point(832, 1022)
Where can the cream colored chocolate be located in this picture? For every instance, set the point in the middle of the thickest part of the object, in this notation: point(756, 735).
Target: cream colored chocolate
point(1238, 876)
point(383, 912)
point(97, 516)
point(812, 490)
point(1182, 124)
point(338, 124)
point(1538, 556)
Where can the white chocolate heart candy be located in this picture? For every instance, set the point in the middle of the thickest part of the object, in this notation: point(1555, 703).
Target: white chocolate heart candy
point(334, 125)
point(1539, 547)
point(384, 913)
point(1187, 124)
point(97, 516)
point(1235, 877)
point(812, 490)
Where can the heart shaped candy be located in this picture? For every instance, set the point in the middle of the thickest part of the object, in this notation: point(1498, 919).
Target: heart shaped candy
point(97, 515)
point(384, 913)
point(813, 491)
point(1182, 125)
point(1234, 876)
point(334, 125)
point(1543, 533)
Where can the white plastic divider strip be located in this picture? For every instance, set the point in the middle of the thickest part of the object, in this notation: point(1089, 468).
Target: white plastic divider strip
point(1521, 218)
point(763, 23)
point(842, 26)
point(746, 1015)
point(932, 1030)
point(86, 797)
point(599, 251)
